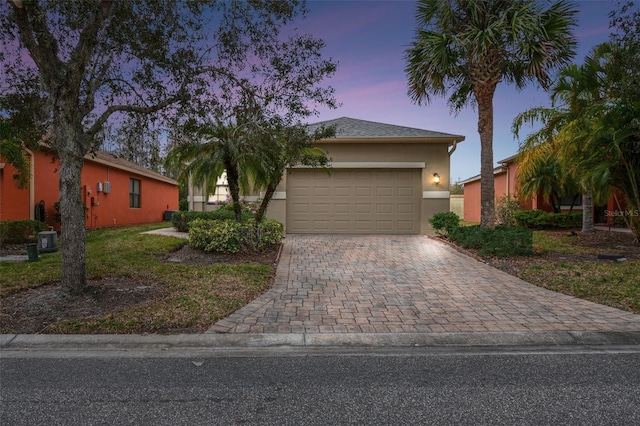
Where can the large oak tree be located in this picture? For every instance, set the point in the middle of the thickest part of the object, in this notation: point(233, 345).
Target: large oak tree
point(98, 60)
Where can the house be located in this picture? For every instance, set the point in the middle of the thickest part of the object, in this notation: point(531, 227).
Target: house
point(115, 192)
point(505, 184)
point(384, 179)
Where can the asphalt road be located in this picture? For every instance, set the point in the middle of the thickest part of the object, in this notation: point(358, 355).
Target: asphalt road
point(528, 387)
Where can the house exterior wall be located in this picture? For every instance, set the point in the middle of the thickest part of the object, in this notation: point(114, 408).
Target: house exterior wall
point(113, 209)
point(102, 210)
point(14, 203)
point(472, 201)
point(430, 158)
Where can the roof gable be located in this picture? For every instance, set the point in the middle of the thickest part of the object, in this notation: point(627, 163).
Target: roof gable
point(349, 128)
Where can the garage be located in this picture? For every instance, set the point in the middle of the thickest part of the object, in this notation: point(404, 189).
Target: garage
point(385, 179)
point(354, 201)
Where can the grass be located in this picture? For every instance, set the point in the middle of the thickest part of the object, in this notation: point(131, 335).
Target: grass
point(608, 283)
point(560, 243)
point(193, 295)
point(612, 284)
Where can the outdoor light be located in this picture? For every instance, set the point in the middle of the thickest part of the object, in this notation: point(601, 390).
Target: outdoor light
point(436, 178)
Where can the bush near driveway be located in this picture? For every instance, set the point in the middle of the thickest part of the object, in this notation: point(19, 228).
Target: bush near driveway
point(444, 222)
point(229, 236)
point(501, 241)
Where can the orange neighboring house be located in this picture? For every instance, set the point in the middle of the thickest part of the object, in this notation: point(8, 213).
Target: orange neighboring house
point(115, 192)
point(505, 183)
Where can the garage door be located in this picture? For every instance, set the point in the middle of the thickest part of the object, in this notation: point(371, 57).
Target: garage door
point(359, 201)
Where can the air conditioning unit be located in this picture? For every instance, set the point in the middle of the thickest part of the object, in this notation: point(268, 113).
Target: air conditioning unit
point(106, 188)
point(47, 241)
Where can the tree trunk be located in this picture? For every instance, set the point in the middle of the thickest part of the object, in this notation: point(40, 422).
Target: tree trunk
point(72, 211)
point(587, 212)
point(271, 189)
point(234, 188)
point(484, 97)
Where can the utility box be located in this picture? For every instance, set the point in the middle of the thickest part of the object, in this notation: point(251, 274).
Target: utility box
point(47, 241)
point(106, 187)
point(168, 214)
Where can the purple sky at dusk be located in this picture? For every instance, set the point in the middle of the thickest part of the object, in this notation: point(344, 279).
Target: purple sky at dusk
point(368, 39)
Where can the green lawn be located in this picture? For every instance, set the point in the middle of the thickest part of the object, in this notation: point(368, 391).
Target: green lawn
point(615, 284)
point(194, 295)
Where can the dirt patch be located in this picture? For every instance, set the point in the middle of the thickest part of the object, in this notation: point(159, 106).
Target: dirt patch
point(187, 254)
point(34, 310)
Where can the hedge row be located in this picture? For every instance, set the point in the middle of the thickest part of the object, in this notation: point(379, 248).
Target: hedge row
point(538, 219)
point(501, 241)
point(20, 231)
point(229, 236)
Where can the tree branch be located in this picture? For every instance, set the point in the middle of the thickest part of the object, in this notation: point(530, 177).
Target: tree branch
point(99, 123)
point(87, 42)
point(40, 44)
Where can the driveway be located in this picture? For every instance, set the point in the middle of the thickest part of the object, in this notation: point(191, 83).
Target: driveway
point(406, 284)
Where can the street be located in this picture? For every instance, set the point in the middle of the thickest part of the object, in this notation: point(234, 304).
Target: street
point(576, 387)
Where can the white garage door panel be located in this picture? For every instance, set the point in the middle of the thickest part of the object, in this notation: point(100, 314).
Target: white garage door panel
point(354, 201)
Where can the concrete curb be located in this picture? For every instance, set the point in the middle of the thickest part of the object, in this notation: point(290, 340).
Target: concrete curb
point(102, 342)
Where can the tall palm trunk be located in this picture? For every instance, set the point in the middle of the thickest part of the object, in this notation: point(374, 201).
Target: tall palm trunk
point(587, 212)
point(484, 97)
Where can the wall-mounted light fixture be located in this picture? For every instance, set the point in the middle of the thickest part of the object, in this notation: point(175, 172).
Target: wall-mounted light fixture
point(436, 178)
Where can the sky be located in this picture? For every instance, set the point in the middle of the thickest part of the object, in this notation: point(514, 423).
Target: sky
point(368, 40)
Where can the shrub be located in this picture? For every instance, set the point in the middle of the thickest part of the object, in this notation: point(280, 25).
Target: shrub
point(20, 231)
point(258, 236)
point(500, 242)
point(538, 219)
point(444, 222)
point(181, 220)
point(229, 236)
point(506, 208)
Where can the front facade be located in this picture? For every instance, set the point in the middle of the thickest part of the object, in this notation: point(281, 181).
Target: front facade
point(382, 180)
point(115, 192)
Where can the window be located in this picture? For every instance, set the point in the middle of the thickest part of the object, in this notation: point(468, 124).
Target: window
point(134, 193)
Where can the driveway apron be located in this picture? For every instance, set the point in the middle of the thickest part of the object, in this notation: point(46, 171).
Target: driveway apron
point(406, 284)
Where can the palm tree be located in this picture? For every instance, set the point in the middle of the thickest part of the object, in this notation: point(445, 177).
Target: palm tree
point(569, 133)
point(541, 172)
point(282, 147)
point(218, 147)
point(468, 47)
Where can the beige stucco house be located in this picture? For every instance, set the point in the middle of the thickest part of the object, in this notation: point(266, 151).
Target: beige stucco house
point(384, 179)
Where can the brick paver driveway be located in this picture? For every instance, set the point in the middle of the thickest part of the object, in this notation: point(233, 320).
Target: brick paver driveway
point(410, 284)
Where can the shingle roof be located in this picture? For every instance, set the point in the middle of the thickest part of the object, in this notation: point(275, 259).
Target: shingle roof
point(353, 128)
point(120, 163)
